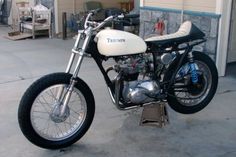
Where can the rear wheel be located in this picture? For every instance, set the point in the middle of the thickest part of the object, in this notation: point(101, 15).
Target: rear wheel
point(187, 97)
point(39, 112)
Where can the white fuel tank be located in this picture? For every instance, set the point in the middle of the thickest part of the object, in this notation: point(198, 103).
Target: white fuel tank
point(117, 43)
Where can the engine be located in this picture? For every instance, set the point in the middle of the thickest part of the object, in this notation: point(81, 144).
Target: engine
point(141, 91)
point(132, 65)
point(136, 85)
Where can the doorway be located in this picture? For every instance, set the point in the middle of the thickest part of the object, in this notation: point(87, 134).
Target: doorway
point(231, 58)
point(136, 4)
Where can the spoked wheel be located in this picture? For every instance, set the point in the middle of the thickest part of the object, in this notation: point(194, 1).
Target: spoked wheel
point(40, 112)
point(45, 114)
point(187, 97)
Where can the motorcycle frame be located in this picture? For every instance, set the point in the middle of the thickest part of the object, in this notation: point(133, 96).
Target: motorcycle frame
point(85, 35)
point(86, 47)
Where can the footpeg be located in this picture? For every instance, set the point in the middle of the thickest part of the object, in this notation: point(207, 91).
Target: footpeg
point(155, 114)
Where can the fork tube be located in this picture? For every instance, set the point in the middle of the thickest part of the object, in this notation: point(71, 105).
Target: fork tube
point(69, 91)
point(78, 65)
point(81, 56)
point(77, 41)
point(69, 66)
point(61, 89)
point(67, 98)
point(72, 58)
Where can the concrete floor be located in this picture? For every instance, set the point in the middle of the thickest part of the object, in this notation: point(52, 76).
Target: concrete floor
point(209, 133)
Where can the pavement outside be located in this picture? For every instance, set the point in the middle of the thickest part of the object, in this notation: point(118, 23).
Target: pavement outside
point(209, 133)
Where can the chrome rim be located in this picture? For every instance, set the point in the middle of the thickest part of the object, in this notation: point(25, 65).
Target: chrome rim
point(184, 96)
point(42, 114)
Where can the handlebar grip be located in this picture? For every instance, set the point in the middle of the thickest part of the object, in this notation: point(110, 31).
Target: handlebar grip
point(130, 16)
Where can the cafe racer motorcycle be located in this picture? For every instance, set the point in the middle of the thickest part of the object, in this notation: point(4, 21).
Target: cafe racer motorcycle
point(58, 109)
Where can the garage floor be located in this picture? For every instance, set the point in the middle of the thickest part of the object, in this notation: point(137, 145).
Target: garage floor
point(209, 133)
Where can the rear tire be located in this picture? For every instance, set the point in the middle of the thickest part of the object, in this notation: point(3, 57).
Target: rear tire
point(31, 97)
point(177, 103)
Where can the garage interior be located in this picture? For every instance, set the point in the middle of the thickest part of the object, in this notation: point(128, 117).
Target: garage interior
point(231, 58)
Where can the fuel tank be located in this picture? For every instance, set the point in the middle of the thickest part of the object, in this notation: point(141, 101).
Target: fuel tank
point(112, 42)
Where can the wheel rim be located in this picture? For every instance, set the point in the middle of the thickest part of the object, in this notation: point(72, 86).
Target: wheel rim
point(42, 110)
point(187, 98)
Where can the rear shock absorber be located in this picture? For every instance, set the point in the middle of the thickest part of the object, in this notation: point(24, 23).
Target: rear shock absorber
point(193, 70)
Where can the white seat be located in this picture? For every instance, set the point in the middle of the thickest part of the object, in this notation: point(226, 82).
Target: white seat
point(183, 31)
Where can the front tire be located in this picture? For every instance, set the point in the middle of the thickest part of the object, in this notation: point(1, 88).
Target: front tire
point(37, 109)
point(192, 98)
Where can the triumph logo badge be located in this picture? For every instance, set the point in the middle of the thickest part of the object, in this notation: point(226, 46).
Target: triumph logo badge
point(109, 40)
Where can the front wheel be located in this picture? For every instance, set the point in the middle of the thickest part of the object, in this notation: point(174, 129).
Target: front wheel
point(39, 112)
point(187, 97)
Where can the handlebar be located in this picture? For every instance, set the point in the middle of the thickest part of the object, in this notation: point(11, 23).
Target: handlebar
point(97, 25)
point(131, 16)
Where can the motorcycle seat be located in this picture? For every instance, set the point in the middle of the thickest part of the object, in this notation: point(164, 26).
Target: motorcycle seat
point(186, 33)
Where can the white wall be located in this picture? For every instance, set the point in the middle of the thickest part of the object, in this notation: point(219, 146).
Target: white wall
point(223, 8)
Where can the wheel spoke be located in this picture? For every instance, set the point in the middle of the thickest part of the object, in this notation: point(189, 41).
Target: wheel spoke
point(59, 128)
point(51, 129)
point(47, 128)
point(43, 104)
point(65, 125)
point(45, 101)
point(40, 112)
point(38, 117)
point(74, 116)
point(74, 111)
point(52, 95)
point(70, 122)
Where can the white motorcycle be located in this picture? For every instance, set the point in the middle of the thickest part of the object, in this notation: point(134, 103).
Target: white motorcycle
point(58, 109)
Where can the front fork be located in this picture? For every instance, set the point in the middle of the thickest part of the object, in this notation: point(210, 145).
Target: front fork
point(64, 97)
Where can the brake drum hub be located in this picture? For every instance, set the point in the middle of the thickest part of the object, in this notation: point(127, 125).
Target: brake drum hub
point(56, 111)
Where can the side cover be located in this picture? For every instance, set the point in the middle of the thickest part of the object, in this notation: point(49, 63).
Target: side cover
point(117, 43)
